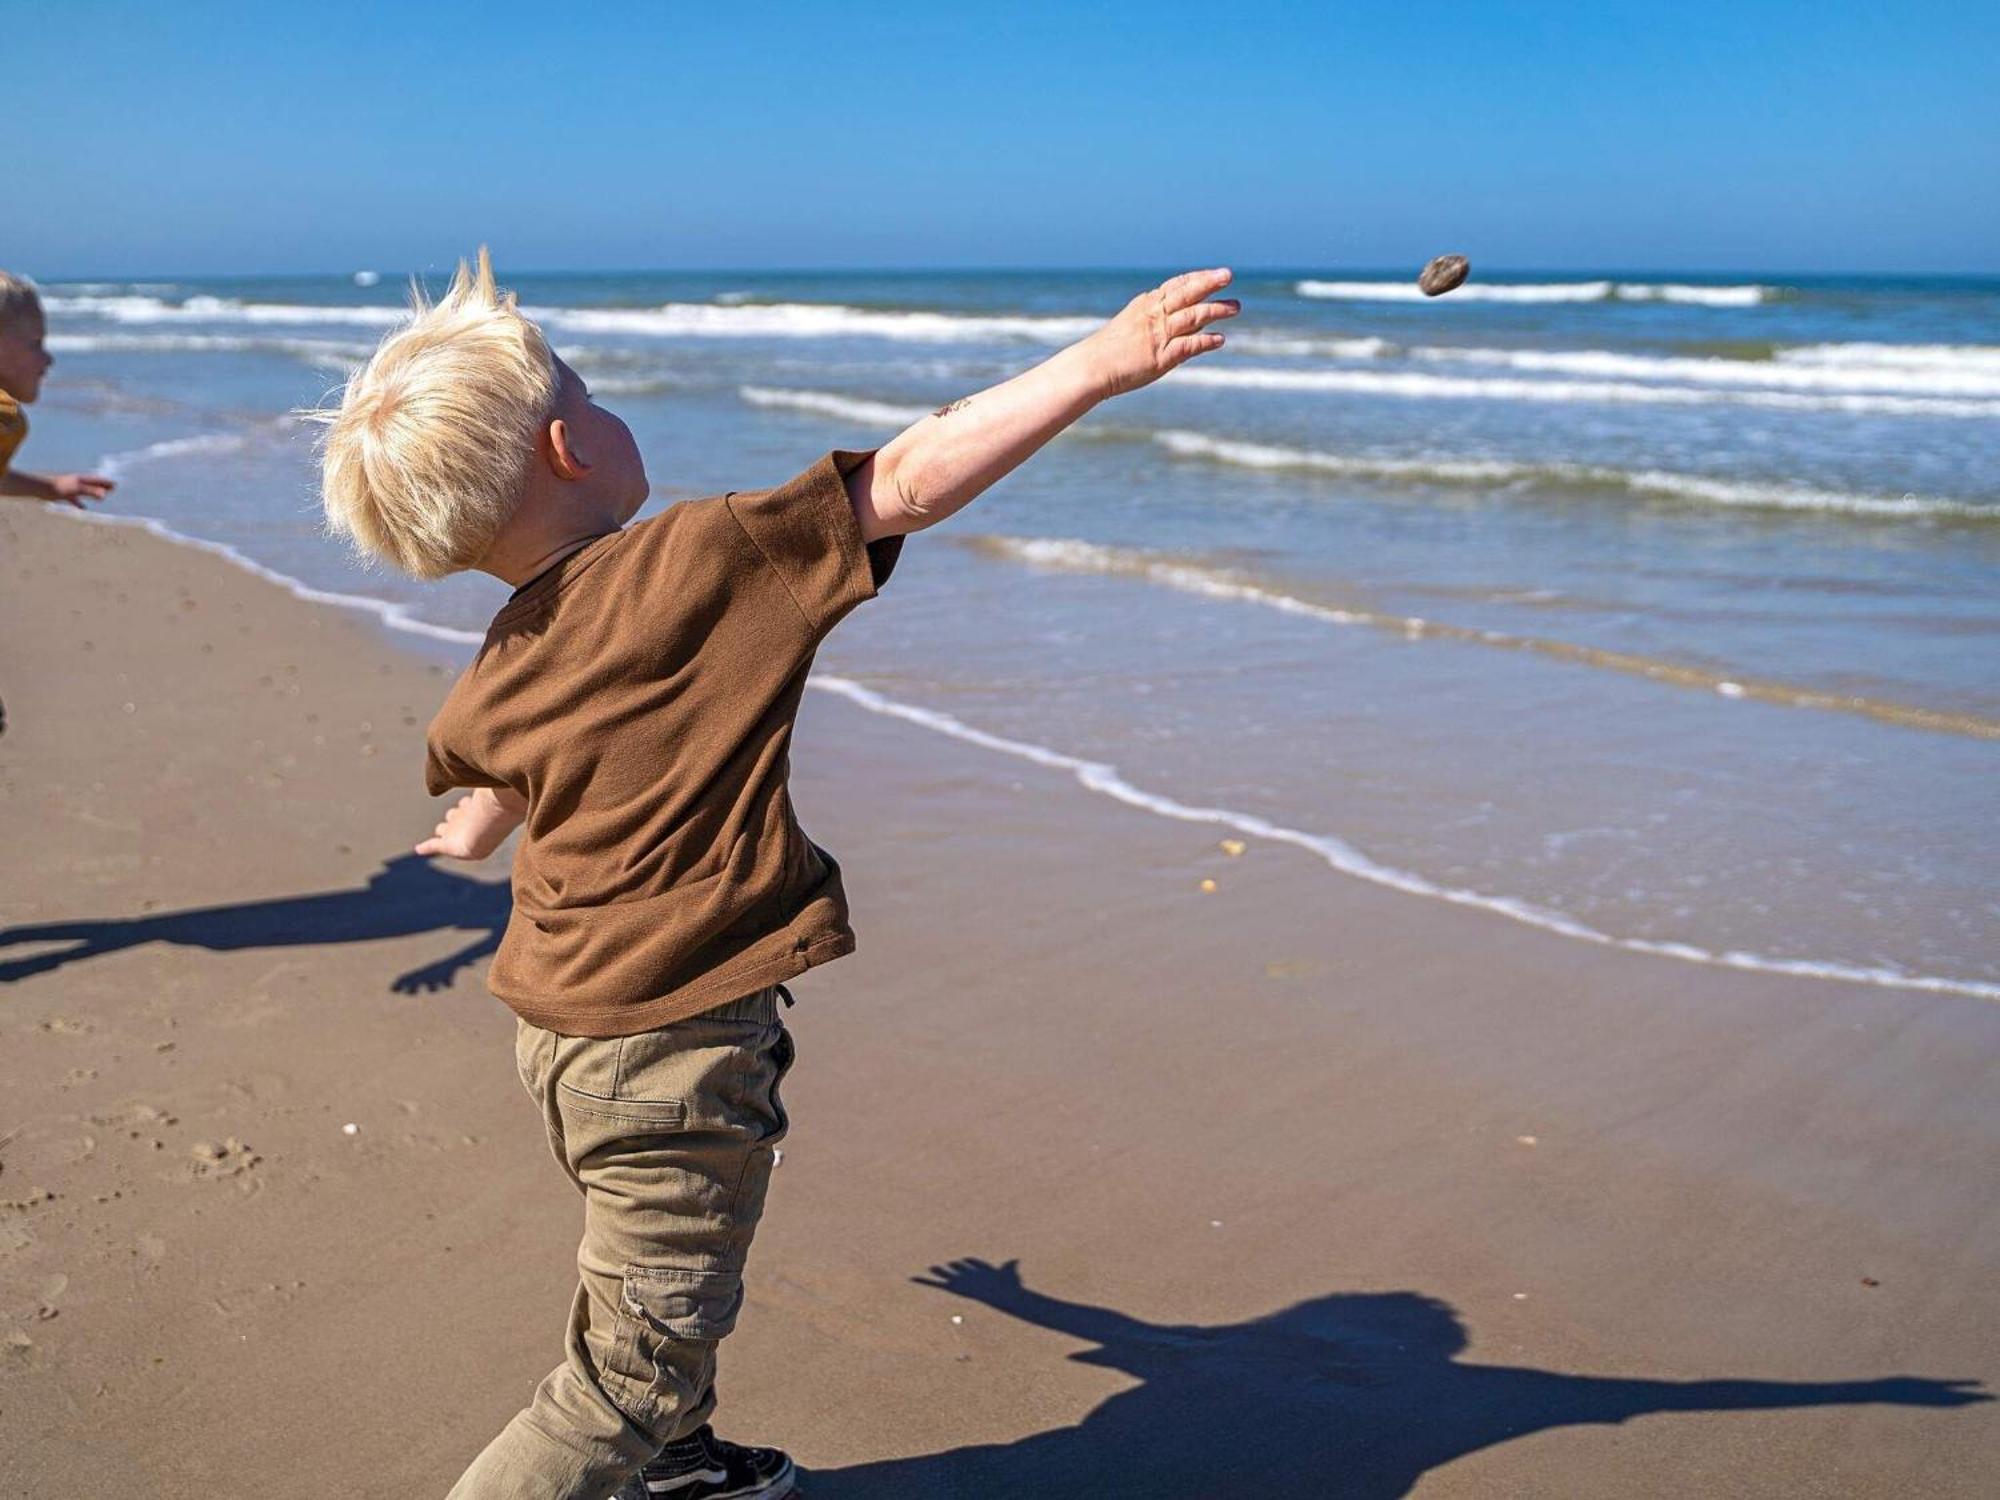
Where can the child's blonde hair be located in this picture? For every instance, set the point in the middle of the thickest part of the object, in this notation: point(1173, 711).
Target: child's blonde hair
point(18, 298)
point(427, 455)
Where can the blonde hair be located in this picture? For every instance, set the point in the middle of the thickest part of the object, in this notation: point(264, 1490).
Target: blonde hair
point(18, 298)
point(426, 457)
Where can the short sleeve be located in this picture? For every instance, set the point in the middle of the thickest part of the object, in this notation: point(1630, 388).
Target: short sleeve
point(807, 531)
point(444, 770)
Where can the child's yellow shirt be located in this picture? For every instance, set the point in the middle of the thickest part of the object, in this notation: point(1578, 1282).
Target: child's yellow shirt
point(13, 429)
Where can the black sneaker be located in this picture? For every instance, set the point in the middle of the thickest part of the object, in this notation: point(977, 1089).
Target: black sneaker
point(701, 1466)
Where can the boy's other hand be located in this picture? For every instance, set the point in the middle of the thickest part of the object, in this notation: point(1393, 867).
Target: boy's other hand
point(77, 488)
point(476, 825)
point(1161, 329)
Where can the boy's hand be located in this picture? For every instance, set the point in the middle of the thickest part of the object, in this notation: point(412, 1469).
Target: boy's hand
point(77, 488)
point(476, 825)
point(1161, 329)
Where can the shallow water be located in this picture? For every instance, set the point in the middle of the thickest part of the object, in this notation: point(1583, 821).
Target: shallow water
point(1655, 608)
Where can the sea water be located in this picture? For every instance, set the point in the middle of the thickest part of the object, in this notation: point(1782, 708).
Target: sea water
point(1654, 609)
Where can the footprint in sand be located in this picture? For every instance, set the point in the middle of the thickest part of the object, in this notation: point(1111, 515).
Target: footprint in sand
point(218, 1160)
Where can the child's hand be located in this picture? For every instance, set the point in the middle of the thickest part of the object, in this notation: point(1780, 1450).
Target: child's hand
point(476, 825)
point(1161, 329)
point(77, 488)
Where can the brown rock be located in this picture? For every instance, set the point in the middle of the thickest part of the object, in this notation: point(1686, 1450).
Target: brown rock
point(1446, 273)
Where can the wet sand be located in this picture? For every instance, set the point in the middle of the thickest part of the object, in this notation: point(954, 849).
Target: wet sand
point(1314, 1188)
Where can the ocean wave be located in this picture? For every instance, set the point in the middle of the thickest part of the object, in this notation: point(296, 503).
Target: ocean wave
point(1324, 348)
point(1831, 367)
point(1697, 296)
point(117, 465)
point(667, 320)
point(1192, 576)
point(832, 404)
point(695, 320)
point(1751, 494)
point(132, 308)
point(327, 354)
point(1547, 291)
point(812, 320)
point(1420, 385)
point(1108, 781)
point(898, 414)
point(1982, 359)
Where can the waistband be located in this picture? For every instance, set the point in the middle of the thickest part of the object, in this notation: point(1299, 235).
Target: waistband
point(759, 1005)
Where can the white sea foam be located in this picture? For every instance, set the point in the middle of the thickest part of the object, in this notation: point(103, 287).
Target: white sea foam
point(1422, 385)
point(132, 308)
point(1695, 296)
point(1409, 291)
point(1978, 359)
point(830, 404)
point(668, 320)
point(1094, 776)
point(811, 320)
point(329, 354)
point(1107, 780)
point(1282, 344)
point(1755, 494)
point(1827, 371)
point(1545, 291)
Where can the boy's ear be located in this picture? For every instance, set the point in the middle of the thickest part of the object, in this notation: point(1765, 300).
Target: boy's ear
point(565, 461)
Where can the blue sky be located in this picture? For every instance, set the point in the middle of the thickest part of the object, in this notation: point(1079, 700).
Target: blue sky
point(208, 138)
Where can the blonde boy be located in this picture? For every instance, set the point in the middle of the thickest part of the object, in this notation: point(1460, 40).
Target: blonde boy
point(631, 709)
point(24, 360)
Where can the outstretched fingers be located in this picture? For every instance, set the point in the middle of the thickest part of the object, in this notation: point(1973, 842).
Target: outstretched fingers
point(1181, 350)
point(1188, 289)
point(1189, 319)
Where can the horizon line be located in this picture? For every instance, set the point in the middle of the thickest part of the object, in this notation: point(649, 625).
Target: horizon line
point(1273, 269)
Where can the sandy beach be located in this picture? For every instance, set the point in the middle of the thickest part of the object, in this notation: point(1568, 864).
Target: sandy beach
point(1295, 1186)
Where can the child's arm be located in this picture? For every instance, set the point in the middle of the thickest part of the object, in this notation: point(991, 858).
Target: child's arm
point(477, 824)
point(73, 488)
point(940, 465)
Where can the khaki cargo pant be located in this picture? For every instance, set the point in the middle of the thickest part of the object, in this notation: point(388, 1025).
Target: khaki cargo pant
point(669, 1137)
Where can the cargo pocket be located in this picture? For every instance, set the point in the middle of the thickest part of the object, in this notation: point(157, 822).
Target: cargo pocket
point(673, 1320)
point(593, 1077)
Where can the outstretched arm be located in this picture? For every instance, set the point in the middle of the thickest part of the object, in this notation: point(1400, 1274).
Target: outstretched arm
point(941, 464)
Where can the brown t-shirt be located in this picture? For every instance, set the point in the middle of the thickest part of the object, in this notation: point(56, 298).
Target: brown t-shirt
point(640, 694)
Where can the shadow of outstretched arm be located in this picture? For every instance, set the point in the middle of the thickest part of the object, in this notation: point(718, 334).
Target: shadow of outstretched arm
point(1000, 1287)
point(407, 896)
point(1584, 1398)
